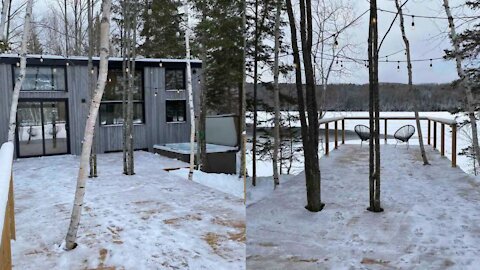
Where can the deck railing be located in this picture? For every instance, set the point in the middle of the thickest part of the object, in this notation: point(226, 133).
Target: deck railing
point(435, 120)
point(7, 217)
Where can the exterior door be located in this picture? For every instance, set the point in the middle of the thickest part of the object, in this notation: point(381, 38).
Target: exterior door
point(42, 128)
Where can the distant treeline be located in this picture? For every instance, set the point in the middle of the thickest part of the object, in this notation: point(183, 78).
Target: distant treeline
point(353, 97)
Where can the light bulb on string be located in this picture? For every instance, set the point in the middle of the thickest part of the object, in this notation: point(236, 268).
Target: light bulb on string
point(413, 22)
point(341, 63)
point(431, 63)
point(149, 10)
point(387, 58)
point(398, 66)
point(41, 59)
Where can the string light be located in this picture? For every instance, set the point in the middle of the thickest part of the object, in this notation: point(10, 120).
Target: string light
point(92, 70)
point(149, 10)
point(341, 63)
point(18, 64)
point(413, 22)
point(387, 58)
point(398, 66)
point(431, 63)
point(41, 59)
point(160, 64)
point(126, 70)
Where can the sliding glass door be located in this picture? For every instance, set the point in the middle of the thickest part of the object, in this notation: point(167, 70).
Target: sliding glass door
point(42, 128)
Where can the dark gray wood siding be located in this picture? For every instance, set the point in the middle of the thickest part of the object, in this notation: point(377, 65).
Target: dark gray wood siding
point(155, 130)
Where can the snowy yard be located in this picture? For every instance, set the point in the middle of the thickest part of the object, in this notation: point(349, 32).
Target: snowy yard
point(431, 218)
point(152, 220)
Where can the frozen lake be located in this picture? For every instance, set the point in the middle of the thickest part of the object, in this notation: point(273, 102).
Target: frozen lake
point(264, 167)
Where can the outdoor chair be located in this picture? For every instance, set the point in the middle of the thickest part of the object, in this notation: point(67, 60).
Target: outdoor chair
point(363, 132)
point(404, 134)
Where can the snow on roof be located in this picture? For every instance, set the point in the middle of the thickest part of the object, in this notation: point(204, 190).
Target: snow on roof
point(85, 58)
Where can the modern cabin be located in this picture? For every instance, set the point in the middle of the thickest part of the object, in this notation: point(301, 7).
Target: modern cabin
point(54, 103)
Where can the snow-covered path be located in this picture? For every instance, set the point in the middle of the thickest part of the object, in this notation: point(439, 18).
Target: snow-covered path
point(152, 220)
point(431, 218)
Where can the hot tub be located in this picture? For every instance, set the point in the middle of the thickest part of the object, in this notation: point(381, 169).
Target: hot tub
point(220, 158)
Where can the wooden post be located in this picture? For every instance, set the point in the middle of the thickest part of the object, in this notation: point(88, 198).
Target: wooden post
point(434, 135)
point(442, 146)
point(343, 131)
point(428, 133)
point(336, 134)
point(385, 134)
point(454, 145)
point(326, 139)
point(11, 204)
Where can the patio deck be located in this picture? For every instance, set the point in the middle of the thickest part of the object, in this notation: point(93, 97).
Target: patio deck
point(431, 218)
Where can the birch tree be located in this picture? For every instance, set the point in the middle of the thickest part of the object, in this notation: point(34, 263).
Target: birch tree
point(190, 92)
point(468, 86)
point(23, 68)
point(90, 126)
point(410, 82)
point(3, 24)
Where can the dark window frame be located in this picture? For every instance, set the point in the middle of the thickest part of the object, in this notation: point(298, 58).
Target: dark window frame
point(52, 66)
point(184, 83)
point(120, 102)
point(185, 111)
point(67, 126)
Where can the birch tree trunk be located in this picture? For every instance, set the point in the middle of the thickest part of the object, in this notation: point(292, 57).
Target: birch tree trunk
point(276, 95)
point(23, 67)
point(90, 126)
point(3, 22)
point(463, 79)
point(190, 94)
point(410, 83)
point(93, 155)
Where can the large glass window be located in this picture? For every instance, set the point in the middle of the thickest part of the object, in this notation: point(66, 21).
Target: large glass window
point(111, 109)
point(174, 79)
point(176, 110)
point(43, 78)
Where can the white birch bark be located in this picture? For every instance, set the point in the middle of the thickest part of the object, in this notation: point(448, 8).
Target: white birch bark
point(410, 83)
point(90, 125)
point(23, 67)
point(190, 94)
point(276, 96)
point(3, 20)
point(466, 85)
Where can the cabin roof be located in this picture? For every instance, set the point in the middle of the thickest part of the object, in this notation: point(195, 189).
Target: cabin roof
point(36, 59)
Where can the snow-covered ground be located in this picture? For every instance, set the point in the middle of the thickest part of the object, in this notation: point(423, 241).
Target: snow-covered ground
point(431, 218)
point(152, 220)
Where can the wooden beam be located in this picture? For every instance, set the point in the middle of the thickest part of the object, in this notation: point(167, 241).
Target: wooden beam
point(336, 134)
point(326, 139)
point(454, 145)
point(343, 131)
point(442, 145)
point(434, 135)
point(429, 132)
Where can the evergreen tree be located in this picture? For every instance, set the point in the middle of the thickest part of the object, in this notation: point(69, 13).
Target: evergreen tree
point(162, 33)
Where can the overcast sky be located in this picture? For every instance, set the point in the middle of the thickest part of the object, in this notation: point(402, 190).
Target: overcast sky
point(426, 41)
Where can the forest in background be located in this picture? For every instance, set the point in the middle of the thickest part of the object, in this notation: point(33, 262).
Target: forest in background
point(354, 97)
